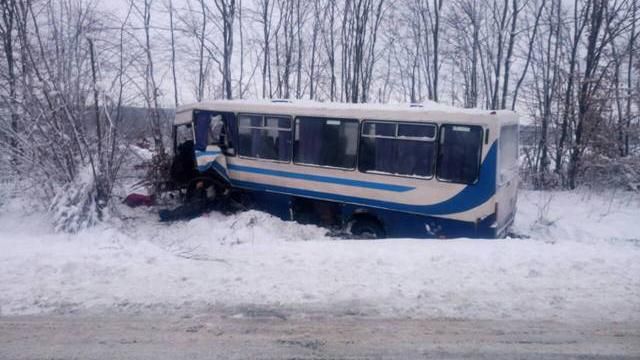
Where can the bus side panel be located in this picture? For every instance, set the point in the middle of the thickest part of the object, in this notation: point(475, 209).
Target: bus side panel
point(506, 198)
point(403, 225)
point(507, 176)
point(273, 203)
point(396, 224)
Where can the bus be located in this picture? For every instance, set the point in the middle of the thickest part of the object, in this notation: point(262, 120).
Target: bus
point(375, 171)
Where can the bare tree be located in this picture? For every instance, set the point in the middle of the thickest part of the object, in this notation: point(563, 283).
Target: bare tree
point(152, 90)
point(202, 35)
point(69, 137)
point(532, 39)
point(579, 23)
point(227, 9)
point(266, 8)
point(571, 66)
point(437, 7)
point(606, 20)
point(501, 26)
point(360, 24)
point(9, 10)
point(173, 54)
point(468, 17)
point(330, 45)
point(515, 10)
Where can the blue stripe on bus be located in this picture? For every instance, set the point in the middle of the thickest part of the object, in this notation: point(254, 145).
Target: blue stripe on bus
point(216, 167)
point(320, 178)
point(476, 194)
point(204, 153)
point(470, 197)
point(220, 170)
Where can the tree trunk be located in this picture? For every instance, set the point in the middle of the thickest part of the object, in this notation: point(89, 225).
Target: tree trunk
point(568, 97)
point(9, 10)
point(437, 6)
point(498, 61)
point(203, 32)
point(173, 55)
point(587, 90)
point(507, 60)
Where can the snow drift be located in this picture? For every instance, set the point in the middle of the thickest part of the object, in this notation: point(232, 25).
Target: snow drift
point(580, 262)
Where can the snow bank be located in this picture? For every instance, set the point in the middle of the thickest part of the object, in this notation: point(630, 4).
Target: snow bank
point(579, 216)
point(581, 262)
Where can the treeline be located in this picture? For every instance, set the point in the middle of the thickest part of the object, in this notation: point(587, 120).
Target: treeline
point(570, 68)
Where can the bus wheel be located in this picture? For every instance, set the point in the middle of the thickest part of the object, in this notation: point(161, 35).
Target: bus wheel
point(365, 227)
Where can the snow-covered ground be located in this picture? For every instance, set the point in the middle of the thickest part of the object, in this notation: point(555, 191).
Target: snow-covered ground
point(581, 261)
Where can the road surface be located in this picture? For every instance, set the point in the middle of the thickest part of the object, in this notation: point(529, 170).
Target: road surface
point(254, 333)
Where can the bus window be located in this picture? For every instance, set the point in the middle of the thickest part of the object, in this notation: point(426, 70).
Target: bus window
point(326, 142)
point(396, 148)
point(417, 132)
point(183, 140)
point(183, 133)
point(209, 130)
point(202, 122)
point(459, 153)
point(265, 137)
point(216, 130)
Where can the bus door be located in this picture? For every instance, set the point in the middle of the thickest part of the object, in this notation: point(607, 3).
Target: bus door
point(210, 140)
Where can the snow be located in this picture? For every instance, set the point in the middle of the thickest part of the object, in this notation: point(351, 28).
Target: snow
point(423, 106)
point(581, 262)
point(141, 153)
point(413, 112)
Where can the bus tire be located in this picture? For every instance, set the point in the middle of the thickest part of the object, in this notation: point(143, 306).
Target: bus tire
point(366, 227)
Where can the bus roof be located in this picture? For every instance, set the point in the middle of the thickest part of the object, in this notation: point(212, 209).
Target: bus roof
point(424, 112)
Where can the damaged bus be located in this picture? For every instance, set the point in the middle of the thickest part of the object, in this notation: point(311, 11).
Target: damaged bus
point(422, 171)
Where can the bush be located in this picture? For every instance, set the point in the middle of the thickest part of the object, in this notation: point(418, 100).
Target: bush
point(76, 206)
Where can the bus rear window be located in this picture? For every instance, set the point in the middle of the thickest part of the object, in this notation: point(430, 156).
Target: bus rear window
point(459, 153)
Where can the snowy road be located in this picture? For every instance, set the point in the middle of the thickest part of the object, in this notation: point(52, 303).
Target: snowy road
point(263, 334)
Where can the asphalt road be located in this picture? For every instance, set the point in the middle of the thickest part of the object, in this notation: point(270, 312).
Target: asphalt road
point(270, 334)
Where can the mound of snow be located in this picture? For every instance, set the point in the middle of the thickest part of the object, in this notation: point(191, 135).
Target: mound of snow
point(581, 262)
point(578, 215)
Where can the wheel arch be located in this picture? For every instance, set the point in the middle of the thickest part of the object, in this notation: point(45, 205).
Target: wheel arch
point(365, 214)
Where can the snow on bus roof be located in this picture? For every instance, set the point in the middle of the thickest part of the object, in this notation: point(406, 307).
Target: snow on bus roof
point(429, 111)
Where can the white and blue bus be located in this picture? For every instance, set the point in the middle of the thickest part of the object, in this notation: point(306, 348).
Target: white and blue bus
point(424, 171)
